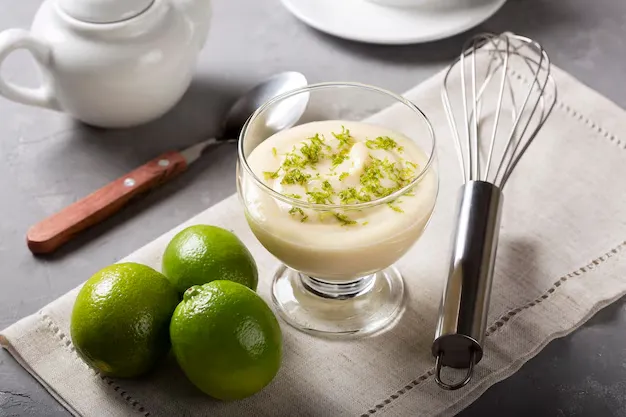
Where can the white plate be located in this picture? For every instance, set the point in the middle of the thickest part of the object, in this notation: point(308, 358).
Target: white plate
point(361, 20)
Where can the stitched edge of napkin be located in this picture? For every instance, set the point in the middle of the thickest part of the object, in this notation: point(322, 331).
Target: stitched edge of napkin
point(4, 342)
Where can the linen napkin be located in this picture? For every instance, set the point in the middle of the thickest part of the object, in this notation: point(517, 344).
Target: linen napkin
point(561, 258)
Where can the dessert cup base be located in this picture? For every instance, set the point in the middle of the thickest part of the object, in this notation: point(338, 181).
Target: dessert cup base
point(362, 307)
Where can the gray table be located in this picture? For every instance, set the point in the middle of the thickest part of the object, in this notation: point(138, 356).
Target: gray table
point(47, 162)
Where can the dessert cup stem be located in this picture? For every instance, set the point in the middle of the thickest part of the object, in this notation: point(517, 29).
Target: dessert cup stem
point(338, 291)
point(356, 308)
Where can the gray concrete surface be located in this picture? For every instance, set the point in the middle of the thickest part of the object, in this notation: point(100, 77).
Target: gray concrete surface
point(48, 161)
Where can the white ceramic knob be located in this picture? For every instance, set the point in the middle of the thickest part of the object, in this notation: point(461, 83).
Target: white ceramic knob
point(103, 11)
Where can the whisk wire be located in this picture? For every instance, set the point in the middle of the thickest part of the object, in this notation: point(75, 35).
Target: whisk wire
point(528, 115)
point(476, 118)
point(512, 145)
point(455, 131)
point(544, 117)
point(470, 162)
point(498, 111)
point(538, 103)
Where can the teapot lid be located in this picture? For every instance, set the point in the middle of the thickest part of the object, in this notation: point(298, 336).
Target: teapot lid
point(104, 11)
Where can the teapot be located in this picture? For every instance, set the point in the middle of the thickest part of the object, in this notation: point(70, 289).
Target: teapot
point(110, 63)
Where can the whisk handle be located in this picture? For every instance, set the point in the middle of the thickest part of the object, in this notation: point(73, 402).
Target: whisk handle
point(464, 306)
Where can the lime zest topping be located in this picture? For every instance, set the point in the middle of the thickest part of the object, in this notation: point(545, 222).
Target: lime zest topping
point(343, 219)
point(382, 169)
point(293, 160)
point(345, 143)
point(296, 176)
point(365, 223)
point(382, 142)
point(394, 207)
point(322, 197)
point(344, 138)
point(406, 175)
point(297, 210)
point(380, 177)
point(338, 158)
point(351, 195)
point(314, 151)
point(371, 179)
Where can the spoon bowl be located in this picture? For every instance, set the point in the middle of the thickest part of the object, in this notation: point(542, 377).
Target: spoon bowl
point(280, 118)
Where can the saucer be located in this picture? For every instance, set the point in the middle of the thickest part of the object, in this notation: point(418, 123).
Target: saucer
point(364, 21)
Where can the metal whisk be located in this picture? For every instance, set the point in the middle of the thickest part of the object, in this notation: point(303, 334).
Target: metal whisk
point(504, 96)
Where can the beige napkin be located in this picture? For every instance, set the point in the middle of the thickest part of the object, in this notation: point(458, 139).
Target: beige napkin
point(560, 260)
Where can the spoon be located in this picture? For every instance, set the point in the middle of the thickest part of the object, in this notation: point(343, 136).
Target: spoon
point(56, 230)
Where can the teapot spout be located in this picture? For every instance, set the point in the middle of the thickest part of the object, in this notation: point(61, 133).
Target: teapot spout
point(198, 12)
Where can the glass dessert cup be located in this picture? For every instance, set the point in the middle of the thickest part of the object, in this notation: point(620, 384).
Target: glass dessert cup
point(340, 233)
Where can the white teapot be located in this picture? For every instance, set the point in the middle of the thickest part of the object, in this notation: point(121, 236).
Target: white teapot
point(110, 63)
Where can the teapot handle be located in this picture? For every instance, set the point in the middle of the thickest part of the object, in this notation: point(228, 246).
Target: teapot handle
point(43, 96)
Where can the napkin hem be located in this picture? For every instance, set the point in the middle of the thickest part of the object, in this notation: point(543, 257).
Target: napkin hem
point(579, 116)
point(588, 121)
point(67, 344)
point(18, 358)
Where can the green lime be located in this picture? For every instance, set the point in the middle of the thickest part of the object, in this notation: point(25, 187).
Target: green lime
point(201, 254)
point(120, 322)
point(226, 340)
